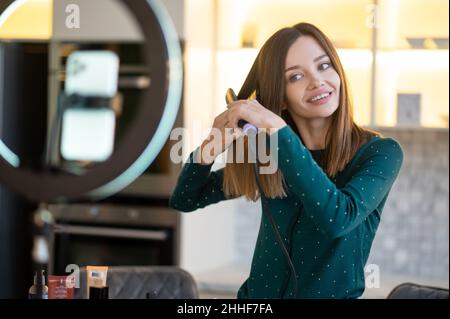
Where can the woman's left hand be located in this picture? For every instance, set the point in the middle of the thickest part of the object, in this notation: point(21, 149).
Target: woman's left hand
point(254, 113)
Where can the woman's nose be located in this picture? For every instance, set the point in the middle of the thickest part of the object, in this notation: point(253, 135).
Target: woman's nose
point(316, 82)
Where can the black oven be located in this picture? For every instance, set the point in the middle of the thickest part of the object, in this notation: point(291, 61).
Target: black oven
point(113, 235)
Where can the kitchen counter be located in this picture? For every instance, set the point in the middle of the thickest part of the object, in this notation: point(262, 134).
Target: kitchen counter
point(224, 282)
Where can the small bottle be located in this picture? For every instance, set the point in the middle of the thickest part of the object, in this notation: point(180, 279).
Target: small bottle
point(32, 293)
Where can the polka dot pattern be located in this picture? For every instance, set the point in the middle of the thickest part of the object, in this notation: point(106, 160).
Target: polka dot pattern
point(324, 221)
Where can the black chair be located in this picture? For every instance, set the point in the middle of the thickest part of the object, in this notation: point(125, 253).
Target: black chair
point(145, 282)
point(416, 291)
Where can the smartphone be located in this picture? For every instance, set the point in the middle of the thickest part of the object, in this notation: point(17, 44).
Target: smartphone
point(88, 131)
point(92, 73)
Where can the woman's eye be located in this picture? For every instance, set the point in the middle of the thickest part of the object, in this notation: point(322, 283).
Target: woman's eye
point(295, 77)
point(324, 66)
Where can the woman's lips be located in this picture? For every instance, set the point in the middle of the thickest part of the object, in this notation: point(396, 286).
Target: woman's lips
point(321, 101)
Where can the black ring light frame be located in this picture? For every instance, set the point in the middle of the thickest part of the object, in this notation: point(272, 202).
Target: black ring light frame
point(146, 135)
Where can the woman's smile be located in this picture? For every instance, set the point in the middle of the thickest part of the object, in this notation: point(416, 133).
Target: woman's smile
point(320, 98)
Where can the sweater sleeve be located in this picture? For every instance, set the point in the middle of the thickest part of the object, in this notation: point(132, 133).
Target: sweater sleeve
point(337, 211)
point(197, 186)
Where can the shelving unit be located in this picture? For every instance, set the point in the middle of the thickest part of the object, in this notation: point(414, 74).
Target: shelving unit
point(412, 64)
point(392, 50)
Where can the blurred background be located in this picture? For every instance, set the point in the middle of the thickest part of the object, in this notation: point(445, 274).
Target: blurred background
point(396, 56)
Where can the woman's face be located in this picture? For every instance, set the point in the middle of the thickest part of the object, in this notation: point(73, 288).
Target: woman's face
point(312, 84)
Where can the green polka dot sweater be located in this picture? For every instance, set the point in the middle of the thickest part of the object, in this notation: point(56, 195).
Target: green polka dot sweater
point(327, 225)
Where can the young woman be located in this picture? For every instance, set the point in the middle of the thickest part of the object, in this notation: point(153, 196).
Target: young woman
point(333, 176)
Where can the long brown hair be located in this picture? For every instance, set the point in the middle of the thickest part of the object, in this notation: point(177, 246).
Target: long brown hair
point(266, 80)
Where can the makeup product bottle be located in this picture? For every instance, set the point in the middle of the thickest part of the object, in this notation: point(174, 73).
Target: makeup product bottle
point(33, 292)
point(60, 287)
point(96, 277)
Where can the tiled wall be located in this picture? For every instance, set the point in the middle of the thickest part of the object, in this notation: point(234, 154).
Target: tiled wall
point(413, 236)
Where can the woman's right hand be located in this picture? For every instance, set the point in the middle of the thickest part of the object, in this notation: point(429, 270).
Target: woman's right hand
point(221, 136)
